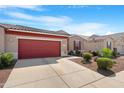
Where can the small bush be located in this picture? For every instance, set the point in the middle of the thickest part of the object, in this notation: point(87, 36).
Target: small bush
point(95, 53)
point(87, 56)
point(106, 52)
point(114, 62)
point(1, 65)
point(77, 53)
point(114, 54)
point(105, 63)
point(74, 53)
point(6, 59)
point(71, 52)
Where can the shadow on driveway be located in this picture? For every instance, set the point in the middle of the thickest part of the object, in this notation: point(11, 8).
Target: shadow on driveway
point(109, 73)
point(36, 62)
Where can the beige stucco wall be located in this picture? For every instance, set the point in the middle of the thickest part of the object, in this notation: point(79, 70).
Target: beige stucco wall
point(71, 42)
point(86, 45)
point(94, 45)
point(12, 43)
point(119, 44)
point(99, 44)
point(2, 39)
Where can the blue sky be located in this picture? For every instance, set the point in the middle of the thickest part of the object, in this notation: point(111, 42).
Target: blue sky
point(75, 19)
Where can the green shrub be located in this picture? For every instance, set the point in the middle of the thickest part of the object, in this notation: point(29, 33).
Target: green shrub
point(1, 65)
point(105, 63)
point(87, 56)
point(71, 52)
point(114, 54)
point(6, 59)
point(77, 53)
point(114, 62)
point(106, 52)
point(74, 53)
point(118, 53)
point(95, 53)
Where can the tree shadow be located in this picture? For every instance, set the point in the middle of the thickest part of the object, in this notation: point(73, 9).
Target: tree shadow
point(109, 73)
point(9, 67)
point(86, 62)
point(36, 62)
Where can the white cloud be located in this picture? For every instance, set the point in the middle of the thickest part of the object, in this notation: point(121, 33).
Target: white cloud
point(55, 21)
point(86, 28)
point(15, 21)
point(108, 33)
point(47, 20)
point(78, 6)
point(63, 22)
point(85, 6)
point(21, 16)
point(29, 7)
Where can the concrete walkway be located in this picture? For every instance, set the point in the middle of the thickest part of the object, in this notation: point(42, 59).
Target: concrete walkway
point(58, 73)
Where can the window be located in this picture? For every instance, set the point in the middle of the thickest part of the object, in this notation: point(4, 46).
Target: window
point(109, 44)
point(77, 45)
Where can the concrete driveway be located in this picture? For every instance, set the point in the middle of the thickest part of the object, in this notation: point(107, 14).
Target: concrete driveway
point(55, 73)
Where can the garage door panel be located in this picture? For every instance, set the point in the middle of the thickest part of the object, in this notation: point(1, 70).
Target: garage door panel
point(38, 48)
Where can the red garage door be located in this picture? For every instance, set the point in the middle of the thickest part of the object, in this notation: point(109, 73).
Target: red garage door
point(38, 48)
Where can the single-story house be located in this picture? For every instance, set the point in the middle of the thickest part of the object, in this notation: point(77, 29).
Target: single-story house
point(95, 42)
point(27, 42)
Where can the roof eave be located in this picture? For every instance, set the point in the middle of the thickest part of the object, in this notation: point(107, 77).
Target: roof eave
point(38, 32)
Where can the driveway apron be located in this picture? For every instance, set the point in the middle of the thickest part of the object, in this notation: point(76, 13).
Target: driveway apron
point(57, 73)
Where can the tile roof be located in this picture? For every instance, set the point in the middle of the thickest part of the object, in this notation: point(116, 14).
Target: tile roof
point(25, 28)
point(93, 37)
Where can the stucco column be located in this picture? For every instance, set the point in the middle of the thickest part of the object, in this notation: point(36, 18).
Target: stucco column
point(2, 40)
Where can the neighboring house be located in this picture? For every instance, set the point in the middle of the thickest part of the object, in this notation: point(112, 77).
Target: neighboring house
point(118, 42)
point(77, 42)
point(99, 42)
point(28, 42)
point(95, 42)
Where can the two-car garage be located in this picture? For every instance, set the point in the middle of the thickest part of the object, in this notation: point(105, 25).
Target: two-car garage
point(28, 48)
point(27, 42)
